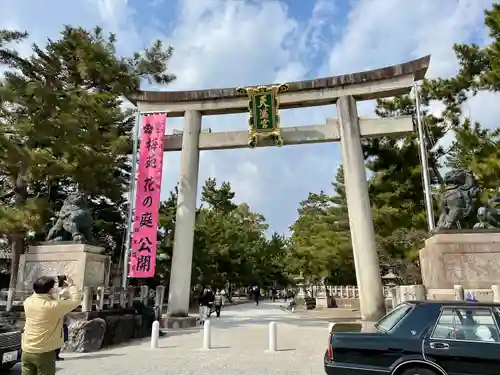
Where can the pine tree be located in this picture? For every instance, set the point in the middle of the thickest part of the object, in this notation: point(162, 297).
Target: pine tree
point(63, 128)
point(320, 241)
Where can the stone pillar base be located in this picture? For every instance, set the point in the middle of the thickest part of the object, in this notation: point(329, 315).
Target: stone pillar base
point(324, 302)
point(169, 322)
point(85, 264)
point(467, 258)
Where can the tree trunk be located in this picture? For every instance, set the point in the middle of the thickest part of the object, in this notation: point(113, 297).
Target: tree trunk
point(17, 240)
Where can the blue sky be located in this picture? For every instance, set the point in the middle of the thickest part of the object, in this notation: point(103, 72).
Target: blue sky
point(221, 43)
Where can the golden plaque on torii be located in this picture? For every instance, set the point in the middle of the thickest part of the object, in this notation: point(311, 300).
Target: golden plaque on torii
point(263, 107)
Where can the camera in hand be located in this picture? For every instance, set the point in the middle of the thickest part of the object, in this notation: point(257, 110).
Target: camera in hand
point(61, 279)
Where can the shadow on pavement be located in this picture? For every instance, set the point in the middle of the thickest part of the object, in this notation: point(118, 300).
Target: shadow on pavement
point(95, 355)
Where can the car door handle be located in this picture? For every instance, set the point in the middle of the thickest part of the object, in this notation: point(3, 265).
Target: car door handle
point(439, 345)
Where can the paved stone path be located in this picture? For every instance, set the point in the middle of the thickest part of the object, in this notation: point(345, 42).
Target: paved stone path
point(239, 344)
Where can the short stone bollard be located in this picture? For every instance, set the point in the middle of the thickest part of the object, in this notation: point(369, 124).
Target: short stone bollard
point(273, 337)
point(330, 327)
point(207, 335)
point(155, 334)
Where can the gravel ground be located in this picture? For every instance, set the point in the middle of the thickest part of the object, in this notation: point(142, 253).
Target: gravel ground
point(239, 344)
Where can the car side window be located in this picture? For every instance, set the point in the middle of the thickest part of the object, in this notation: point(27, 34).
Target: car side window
point(466, 324)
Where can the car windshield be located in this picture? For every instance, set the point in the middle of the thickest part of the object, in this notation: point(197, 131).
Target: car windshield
point(388, 322)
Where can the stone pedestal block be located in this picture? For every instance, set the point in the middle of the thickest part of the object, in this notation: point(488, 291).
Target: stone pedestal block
point(470, 259)
point(85, 264)
point(324, 302)
point(170, 322)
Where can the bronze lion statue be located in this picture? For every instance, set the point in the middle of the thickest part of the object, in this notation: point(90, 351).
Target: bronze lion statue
point(459, 201)
point(73, 222)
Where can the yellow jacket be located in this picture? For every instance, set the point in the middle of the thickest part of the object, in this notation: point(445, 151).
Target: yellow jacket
point(44, 316)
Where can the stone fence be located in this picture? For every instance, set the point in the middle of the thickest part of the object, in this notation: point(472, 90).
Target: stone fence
point(340, 291)
point(418, 292)
point(100, 298)
point(347, 296)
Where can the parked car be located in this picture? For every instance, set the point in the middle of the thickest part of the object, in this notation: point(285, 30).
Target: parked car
point(10, 344)
point(422, 338)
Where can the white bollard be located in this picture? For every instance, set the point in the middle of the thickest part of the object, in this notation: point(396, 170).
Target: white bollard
point(273, 337)
point(155, 334)
point(330, 327)
point(207, 335)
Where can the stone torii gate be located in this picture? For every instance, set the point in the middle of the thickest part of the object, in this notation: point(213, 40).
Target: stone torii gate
point(344, 91)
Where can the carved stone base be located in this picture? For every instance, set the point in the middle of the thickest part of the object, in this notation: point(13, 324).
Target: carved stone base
point(468, 259)
point(83, 263)
point(169, 322)
point(324, 302)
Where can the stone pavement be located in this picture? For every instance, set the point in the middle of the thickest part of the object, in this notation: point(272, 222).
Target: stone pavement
point(239, 344)
point(333, 314)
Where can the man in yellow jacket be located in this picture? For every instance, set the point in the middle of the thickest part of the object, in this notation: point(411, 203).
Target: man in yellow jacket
point(43, 329)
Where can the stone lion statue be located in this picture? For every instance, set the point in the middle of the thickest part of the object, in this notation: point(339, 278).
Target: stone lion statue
point(459, 202)
point(73, 222)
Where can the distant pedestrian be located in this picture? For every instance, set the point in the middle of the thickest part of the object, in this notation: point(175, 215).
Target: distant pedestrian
point(206, 301)
point(256, 294)
point(218, 303)
point(274, 294)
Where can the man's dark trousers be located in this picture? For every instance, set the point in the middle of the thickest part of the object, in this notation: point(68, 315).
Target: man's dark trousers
point(38, 363)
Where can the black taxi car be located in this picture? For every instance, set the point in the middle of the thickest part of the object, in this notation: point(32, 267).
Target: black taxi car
point(422, 338)
point(10, 343)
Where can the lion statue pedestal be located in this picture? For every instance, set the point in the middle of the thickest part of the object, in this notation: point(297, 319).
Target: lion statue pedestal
point(85, 264)
point(468, 258)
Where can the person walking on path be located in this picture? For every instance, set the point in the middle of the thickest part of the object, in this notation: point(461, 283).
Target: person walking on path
point(206, 300)
point(42, 334)
point(256, 293)
point(218, 303)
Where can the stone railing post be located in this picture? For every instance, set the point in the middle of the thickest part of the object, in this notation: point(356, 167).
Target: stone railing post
point(123, 298)
point(394, 297)
point(88, 298)
point(420, 292)
point(100, 298)
point(130, 296)
point(459, 292)
point(111, 298)
point(160, 293)
point(496, 293)
point(144, 295)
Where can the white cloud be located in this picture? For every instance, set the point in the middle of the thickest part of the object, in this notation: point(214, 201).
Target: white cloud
point(230, 43)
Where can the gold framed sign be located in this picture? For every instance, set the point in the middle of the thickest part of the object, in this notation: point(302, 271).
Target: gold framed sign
point(264, 118)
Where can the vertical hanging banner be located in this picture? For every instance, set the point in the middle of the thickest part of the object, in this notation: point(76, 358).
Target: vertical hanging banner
point(147, 200)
